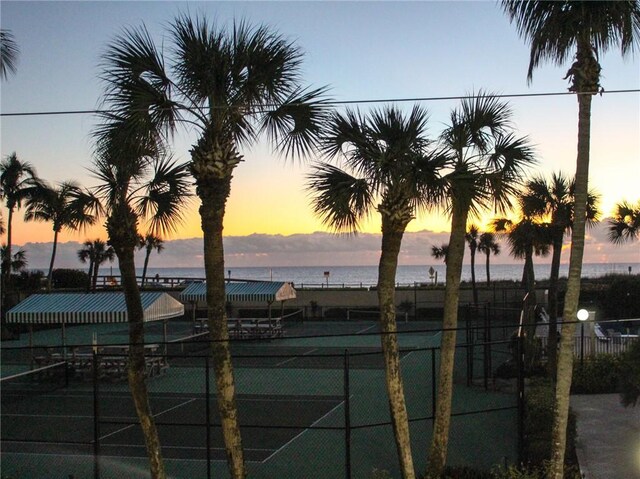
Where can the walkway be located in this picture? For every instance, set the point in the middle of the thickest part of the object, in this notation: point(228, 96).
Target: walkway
point(608, 444)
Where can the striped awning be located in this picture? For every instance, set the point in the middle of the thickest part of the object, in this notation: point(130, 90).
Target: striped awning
point(258, 291)
point(74, 308)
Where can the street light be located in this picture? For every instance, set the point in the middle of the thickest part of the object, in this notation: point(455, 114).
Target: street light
point(583, 315)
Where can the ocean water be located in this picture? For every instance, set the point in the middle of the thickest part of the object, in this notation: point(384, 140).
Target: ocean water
point(353, 276)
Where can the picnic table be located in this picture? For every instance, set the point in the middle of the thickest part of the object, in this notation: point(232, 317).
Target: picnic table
point(112, 361)
point(247, 328)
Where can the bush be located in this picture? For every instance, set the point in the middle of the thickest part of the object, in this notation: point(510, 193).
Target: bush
point(70, 278)
point(599, 374)
point(630, 375)
point(538, 425)
point(621, 299)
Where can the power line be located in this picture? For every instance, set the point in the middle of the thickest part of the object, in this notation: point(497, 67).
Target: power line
point(349, 102)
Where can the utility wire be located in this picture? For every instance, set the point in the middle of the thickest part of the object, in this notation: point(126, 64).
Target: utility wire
point(346, 102)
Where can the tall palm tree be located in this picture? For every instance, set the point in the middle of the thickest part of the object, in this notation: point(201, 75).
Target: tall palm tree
point(394, 174)
point(526, 238)
point(625, 224)
point(488, 245)
point(65, 206)
point(558, 31)
point(149, 242)
point(18, 261)
point(96, 252)
point(8, 54)
point(137, 183)
point(17, 179)
point(230, 85)
point(472, 237)
point(553, 202)
point(440, 252)
point(487, 162)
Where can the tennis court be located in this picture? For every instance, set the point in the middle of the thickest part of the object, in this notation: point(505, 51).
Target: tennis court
point(292, 400)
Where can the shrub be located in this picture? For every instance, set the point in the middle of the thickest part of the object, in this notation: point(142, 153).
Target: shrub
point(69, 278)
point(538, 424)
point(630, 375)
point(599, 374)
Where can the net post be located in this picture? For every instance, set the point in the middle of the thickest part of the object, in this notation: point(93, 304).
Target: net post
point(347, 417)
point(208, 414)
point(96, 419)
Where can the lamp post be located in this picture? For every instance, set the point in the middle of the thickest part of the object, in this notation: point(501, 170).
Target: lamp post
point(583, 315)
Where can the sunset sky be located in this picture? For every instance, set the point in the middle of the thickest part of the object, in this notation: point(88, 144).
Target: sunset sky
point(363, 51)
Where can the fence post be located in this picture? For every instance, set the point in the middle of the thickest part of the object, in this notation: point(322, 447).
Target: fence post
point(96, 419)
point(347, 417)
point(521, 397)
point(470, 340)
point(433, 385)
point(207, 394)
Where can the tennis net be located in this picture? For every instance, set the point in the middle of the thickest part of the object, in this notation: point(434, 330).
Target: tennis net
point(36, 381)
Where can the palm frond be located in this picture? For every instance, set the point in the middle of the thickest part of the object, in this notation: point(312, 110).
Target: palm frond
point(297, 123)
point(8, 53)
point(136, 82)
point(165, 195)
point(339, 199)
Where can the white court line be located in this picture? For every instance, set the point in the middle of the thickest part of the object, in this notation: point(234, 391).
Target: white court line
point(365, 329)
point(154, 416)
point(296, 357)
point(305, 430)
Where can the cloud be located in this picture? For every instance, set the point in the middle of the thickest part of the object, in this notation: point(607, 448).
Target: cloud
point(320, 249)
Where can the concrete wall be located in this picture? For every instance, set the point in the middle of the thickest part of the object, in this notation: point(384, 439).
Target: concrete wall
point(367, 299)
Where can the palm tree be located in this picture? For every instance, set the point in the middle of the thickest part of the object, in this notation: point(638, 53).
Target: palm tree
point(231, 85)
point(472, 237)
point(65, 206)
point(527, 238)
point(137, 183)
point(149, 242)
point(17, 179)
point(394, 174)
point(625, 224)
point(557, 31)
point(489, 246)
point(553, 201)
point(96, 252)
point(8, 54)
point(440, 252)
point(18, 261)
point(486, 163)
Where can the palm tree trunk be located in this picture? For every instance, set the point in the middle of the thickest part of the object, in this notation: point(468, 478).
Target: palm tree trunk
point(6, 261)
point(391, 242)
point(90, 282)
point(552, 339)
point(213, 194)
point(439, 444)
point(95, 275)
point(136, 366)
point(572, 296)
point(146, 263)
point(53, 258)
point(5, 280)
point(488, 268)
point(473, 276)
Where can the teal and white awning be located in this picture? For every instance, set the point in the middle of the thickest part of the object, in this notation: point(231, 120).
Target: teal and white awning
point(75, 308)
point(267, 291)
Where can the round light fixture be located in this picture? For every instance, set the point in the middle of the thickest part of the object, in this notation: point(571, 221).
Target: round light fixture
point(583, 314)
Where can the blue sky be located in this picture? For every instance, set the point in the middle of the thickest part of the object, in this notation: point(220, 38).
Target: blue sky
point(362, 50)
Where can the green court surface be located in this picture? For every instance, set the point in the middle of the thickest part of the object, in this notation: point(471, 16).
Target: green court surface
point(291, 402)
